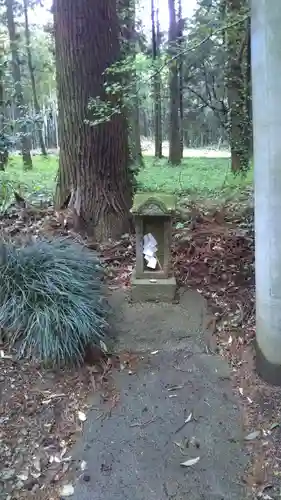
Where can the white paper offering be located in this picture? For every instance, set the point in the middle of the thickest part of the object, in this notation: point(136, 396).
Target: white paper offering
point(149, 250)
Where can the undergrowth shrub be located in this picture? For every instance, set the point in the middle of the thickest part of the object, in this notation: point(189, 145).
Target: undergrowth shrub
point(51, 306)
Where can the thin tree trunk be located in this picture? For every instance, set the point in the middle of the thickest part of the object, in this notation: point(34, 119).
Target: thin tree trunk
point(236, 91)
point(4, 152)
point(135, 126)
point(248, 86)
point(175, 138)
point(128, 15)
point(156, 81)
point(16, 73)
point(94, 178)
point(181, 78)
point(32, 77)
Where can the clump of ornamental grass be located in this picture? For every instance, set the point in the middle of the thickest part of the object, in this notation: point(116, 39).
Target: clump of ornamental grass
point(51, 304)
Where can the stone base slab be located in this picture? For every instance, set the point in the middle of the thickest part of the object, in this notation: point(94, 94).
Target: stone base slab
point(153, 290)
point(269, 372)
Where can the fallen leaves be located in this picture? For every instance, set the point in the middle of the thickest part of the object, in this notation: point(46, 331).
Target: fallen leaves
point(41, 411)
point(83, 465)
point(82, 416)
point(214, 255)
point(142, 425)
point(67, 490)
point(252, 436)
point(38, 424)
point(190, 462)
point(186, 421)
point(218, 262)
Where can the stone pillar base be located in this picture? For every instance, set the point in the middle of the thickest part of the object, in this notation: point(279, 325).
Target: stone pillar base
point(269, 372)
point(150, 290)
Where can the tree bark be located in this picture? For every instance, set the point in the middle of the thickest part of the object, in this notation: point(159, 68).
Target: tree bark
point(32, 77)
point(4, 151)
point(181, 77)
point(94, 178)
point(136, 153)
point(248, 85)
point(236, 89)
point(175, 138)
point(16, 73)
point(156, 81)
point(128, 14)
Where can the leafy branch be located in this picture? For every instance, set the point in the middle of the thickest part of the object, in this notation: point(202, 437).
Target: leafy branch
point(104, 110)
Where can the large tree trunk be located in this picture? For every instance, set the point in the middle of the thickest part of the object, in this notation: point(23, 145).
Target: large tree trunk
point(32, 77)
point(93, 170)
point(236, 37)
point(175, 137)
point(16, 73)
point(156, 81)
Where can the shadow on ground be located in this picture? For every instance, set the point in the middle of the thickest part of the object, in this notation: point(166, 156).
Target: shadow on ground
point(137, 450)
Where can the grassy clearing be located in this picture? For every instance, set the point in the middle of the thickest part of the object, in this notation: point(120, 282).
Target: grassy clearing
point(197, 177)
point(36, 183)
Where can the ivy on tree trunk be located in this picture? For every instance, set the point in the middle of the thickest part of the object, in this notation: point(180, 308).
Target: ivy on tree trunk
point(94, 178)
point(127, 18)
point(239, 125)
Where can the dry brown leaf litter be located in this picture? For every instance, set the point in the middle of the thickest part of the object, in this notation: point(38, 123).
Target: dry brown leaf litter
point(212, 253)
point(39, 419)
point(41, 412)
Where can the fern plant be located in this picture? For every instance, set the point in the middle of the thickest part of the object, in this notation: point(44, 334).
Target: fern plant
point(51, 305)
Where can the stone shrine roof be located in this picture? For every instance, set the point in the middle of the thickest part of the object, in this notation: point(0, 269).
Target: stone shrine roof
point(156, 203)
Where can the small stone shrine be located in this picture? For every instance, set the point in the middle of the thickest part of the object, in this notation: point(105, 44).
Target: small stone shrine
point(152, 278)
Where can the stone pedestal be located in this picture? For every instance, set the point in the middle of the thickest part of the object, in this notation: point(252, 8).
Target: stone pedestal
point(153, 280)
point(153, 290)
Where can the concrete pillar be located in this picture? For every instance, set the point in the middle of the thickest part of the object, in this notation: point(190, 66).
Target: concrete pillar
point(266, 88)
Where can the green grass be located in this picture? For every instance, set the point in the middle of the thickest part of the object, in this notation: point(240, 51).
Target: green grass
point(36, 183)
point(198, 177)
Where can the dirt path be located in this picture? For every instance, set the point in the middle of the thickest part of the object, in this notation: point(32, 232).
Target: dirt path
point(136, 451)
